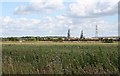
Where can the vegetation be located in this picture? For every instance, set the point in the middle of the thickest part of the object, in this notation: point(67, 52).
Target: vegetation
point(58, 39)
point(107, 40)
point(60, 58)
point(30, 38)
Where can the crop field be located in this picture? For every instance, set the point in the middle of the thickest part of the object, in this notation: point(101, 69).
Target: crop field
point(60, 58)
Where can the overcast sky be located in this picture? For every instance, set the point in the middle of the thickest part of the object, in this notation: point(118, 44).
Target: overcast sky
point(55, 17)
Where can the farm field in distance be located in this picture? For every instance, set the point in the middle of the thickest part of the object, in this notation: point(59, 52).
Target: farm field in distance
point(59, 58)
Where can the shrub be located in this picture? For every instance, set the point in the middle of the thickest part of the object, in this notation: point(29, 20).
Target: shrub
point(107, 40)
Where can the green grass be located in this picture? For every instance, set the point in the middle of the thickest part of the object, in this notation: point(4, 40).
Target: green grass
point(60, 59)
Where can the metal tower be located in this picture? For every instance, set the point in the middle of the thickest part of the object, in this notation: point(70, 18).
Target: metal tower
point(96, 31)
point(81, 36)
point(68, 34)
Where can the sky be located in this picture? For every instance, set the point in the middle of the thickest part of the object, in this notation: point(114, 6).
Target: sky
point(55, 17)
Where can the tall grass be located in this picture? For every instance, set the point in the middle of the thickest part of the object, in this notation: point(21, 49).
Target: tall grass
point(60, 59)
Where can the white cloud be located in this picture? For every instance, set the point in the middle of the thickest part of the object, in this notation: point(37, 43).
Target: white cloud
point(93, 8)
point(6, 20)
point(24, 26)
point(39, 6)
point(55, 26)
point(81, 15)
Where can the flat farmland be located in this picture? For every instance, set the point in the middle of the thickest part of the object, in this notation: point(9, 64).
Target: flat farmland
point(59, 58)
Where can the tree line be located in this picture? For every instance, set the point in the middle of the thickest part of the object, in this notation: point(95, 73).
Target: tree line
point(55, 39)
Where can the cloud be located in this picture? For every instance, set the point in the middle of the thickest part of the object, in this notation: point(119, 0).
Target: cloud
point(39, 6)
point(78, 15)
point(59, 25)
point(5, 21)
point(76, 9)
point(24, 26)
point(93, 8)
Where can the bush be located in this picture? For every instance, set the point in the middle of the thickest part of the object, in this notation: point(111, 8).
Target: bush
point(107, 40)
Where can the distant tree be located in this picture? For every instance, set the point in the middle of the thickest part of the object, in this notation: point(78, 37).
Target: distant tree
point(12, 39)
point(60, 39)
point(106, 40)
point(48, 39)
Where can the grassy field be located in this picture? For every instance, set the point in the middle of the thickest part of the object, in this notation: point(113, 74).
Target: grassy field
point(59, 58)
